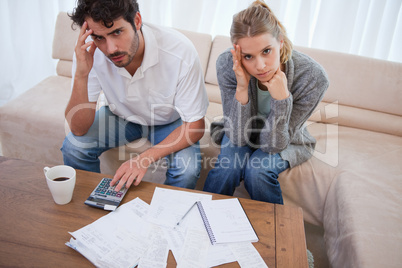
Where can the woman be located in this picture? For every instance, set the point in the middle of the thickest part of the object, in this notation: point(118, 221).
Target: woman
point(268, 92)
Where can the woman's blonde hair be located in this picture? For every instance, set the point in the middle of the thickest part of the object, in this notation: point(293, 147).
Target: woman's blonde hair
point(259, 19)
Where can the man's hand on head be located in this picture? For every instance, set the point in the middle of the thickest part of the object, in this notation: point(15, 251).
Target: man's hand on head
point(84, 51)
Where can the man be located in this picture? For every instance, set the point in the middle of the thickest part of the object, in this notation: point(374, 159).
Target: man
point(153, 82)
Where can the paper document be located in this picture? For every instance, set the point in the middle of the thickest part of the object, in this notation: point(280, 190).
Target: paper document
point(168, 206)
point(118, 239)
point(138, 234)
point(247, 255)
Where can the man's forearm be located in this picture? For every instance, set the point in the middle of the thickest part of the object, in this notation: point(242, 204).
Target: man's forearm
point(80, 113)
point(180, 138)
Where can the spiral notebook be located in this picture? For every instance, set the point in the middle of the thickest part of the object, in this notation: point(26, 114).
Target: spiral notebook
point(226, 221)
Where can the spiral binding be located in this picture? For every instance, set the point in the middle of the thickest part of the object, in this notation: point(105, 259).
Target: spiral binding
point(206, 223)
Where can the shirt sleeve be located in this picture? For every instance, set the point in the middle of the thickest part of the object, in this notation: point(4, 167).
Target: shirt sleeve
point(191, 100)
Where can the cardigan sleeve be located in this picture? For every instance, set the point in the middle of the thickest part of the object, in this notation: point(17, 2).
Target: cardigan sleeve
point(287, 117)
point(235, 114)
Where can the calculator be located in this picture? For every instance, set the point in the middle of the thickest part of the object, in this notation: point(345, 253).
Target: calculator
point(105, 197)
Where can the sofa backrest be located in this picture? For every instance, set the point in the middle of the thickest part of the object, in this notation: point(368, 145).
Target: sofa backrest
point(65, 38)
point(364, 93)
point(367, 92)
point(360, 81)
point(202, 43)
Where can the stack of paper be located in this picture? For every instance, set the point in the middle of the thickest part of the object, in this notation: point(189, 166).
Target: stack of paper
point(141, 234)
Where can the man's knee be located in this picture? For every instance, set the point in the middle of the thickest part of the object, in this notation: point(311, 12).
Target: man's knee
point(67, 147)
point(187, 161)
point(78, 146)
point(184, 169)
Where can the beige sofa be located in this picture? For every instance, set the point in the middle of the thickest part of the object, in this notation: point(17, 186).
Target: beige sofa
point(351, 188)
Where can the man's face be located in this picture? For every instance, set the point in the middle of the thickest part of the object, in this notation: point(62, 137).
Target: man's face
point(119, 43)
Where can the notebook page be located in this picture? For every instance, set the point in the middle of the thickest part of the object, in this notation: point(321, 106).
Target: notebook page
point(228, 221)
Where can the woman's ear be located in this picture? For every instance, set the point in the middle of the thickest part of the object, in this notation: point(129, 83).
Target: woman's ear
point(281, 41)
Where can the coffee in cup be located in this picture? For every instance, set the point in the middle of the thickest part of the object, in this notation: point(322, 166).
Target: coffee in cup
point(61, 183)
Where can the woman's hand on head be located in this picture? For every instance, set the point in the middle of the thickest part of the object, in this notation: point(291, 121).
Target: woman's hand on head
point(242, 76)
point(278, 85)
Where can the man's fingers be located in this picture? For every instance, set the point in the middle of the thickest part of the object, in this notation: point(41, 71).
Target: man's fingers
point(130, 180)
point(83, 28)
point(128, 173)
point(117, 176)
point(138, 179)
point(121, 182)
point(87, 45)
point(92, 49)
point(84, 33)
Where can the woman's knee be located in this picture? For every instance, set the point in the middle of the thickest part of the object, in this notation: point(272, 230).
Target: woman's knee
point(262, 172)
point(261, 161)
point(258, 176)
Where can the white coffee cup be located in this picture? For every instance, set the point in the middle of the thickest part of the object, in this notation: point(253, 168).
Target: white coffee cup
point(61, 183)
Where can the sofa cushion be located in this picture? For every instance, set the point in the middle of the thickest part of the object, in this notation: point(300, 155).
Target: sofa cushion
point(362, 219)
point(340, 151)
point(214, 93)
point(64, 68)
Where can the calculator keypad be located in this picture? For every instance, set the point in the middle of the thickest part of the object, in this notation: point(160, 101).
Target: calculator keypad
point(104, 188)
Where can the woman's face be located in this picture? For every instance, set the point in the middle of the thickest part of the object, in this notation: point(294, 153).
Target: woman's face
point(260, 55)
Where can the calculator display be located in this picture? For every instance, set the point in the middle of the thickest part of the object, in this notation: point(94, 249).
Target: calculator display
point(104, 196)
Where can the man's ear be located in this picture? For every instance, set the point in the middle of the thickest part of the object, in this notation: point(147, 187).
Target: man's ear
point(138, 21)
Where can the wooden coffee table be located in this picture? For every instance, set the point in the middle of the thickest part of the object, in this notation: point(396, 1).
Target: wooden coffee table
point(34, 229)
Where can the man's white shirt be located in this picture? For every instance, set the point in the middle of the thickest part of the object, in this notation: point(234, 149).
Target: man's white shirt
point(169, 84)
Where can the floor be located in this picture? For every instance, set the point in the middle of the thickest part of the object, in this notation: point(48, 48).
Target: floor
point(316, 245)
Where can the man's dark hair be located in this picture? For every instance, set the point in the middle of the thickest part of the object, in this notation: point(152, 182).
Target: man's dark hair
point(105, 11)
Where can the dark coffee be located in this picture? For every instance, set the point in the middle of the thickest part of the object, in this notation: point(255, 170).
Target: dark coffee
point(61, 179)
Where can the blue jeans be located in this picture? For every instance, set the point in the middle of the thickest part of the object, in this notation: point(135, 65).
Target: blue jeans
point(109, 131)
point(259, 170)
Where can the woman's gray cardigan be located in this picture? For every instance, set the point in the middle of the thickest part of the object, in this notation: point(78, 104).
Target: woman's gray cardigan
point(284, 131)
